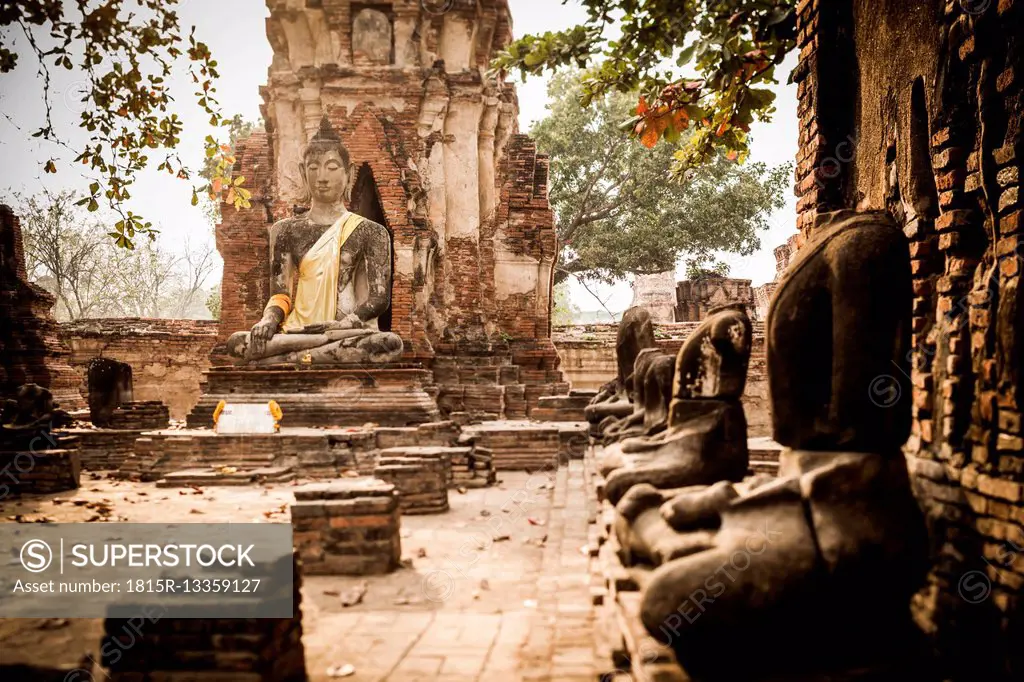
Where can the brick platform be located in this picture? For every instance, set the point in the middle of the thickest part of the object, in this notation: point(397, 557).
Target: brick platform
point(764, 456)
point(562, 408)
point(315, 453)
point(422, 482)
point(41, 472)
point(190, 478)
point(517, 445)
point(390, 395)
point(149, 647)
point(141, 415)
point(104, 449)
point(347, 527)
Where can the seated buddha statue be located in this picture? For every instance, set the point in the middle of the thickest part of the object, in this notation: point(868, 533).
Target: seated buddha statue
point(830, 553)
point(330, 276)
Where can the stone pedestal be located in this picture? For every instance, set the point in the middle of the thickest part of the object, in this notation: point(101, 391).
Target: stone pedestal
point(347, 527)
point(110, 386)
point(338, 396)
point(422, 482)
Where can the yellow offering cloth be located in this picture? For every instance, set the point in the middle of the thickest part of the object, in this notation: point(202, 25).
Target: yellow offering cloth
point(316, 296)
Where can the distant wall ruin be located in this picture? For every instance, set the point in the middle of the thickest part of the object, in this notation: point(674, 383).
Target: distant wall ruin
point(588, 362)
point(168, 357)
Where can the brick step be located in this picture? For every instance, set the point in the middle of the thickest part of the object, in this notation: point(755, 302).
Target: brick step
point(216, 477)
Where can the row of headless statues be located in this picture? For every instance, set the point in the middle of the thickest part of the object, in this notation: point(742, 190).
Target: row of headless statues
point(809, 571)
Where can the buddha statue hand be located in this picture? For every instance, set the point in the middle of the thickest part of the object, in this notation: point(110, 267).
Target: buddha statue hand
point(261, 333)
point(350, 321)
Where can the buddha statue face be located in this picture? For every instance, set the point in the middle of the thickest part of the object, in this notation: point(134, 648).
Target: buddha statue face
point(327, 176)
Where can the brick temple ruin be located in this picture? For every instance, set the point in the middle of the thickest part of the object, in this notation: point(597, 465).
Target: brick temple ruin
point(441, 164)
point(520, 531)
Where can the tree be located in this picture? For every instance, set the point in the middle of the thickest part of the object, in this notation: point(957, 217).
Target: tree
point(617, 213)
point(90, 276)
point(733, 45)
point(213, 302)
point(127, 51)
point(563, 310)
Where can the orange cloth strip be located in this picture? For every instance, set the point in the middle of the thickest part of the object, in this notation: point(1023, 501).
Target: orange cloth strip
point(282, 301)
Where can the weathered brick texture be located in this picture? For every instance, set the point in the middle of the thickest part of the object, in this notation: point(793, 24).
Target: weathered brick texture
point(916, 108)
point(30, 348)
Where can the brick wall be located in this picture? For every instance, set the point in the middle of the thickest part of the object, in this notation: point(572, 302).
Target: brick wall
point(30, 350)
point(167, 357)
point(915, 107)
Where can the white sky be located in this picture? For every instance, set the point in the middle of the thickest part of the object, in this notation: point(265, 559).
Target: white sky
point(235, 32)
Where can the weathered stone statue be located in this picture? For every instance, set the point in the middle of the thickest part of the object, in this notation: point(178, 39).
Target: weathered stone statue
point(636, 332)
point(829, 554)
point(26, 419)
point(653, 374)
point(330, 276)
point(706, 436)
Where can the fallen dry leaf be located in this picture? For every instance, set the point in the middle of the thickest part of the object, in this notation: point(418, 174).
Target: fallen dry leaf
point(355, 595)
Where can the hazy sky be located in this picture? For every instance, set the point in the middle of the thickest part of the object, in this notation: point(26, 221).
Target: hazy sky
point(235, 32)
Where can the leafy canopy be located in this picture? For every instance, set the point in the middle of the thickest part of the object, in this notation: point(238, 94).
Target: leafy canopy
point(618, 212)
point(733, 46)
point(127, 51)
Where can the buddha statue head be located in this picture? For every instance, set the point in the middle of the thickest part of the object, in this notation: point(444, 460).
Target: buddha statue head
point(327, 167)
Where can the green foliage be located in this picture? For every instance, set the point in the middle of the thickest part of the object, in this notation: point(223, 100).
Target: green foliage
point(733, 45)
point(213, 302)
point(617, 211)
point(127, 51)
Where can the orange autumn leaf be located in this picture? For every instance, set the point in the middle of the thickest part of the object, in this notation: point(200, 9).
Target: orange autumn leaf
point(642, 107)
point(721, 129)
point(217, 185)
point(650, 137)
point(732, 155)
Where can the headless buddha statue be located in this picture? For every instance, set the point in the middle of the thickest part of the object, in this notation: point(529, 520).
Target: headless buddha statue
point(330, 276)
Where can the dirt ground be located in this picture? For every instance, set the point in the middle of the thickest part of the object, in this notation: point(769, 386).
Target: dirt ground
point(496, 589)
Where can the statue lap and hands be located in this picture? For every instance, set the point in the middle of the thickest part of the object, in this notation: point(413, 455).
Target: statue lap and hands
point(330, 276)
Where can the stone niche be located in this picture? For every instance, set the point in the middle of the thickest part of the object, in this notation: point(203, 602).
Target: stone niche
point(372, 36)
point(915, 108)
point(440, 162)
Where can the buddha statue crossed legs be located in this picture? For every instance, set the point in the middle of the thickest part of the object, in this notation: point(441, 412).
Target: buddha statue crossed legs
point(330, 276)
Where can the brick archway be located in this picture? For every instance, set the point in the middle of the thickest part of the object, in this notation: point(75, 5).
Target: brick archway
point(366, 202)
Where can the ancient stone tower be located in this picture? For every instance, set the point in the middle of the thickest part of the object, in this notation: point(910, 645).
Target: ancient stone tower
point(440, 162)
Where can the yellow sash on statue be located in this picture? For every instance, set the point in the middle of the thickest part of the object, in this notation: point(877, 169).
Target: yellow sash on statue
point(316, 296)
